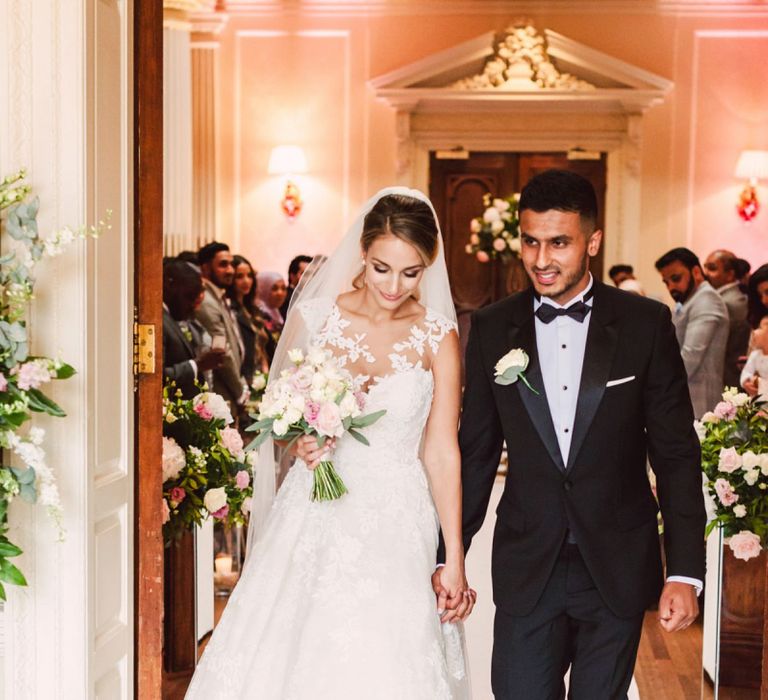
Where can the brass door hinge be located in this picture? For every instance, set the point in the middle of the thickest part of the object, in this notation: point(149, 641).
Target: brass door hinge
point(144, 352)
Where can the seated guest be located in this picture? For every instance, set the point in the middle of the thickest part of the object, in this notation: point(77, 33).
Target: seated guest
point(619, 273)
point(701, 326)
point(187, 353)
point(754, 376)
point(271, 293)
point(757, 296)
point(720, 270)
point(295, 271)
point(256, 339)
point(215, 315)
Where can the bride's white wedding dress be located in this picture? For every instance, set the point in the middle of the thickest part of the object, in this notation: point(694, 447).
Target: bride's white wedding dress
point(335, 601)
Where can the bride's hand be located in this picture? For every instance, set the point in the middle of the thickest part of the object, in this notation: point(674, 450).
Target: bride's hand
point(306, 449)
point(455, 599)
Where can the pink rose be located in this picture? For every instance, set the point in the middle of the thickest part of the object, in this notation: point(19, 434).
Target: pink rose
point(242, 479)
point(302, 380)
point(231, 439)
point(203, 411)
point(222, 512)
point(178, 494)
point(725, 492)
point(329, 420)
point(725, 410)
point(730, 460)
point(482, 256)
point(166, 512)
point(3, 382)
point(311, 411)
point(745, 545)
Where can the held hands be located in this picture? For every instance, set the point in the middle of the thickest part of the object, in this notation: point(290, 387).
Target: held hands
point(750, 386)
point(306, 449)
point(455, 599)
point(210, 358)
point(678, 606)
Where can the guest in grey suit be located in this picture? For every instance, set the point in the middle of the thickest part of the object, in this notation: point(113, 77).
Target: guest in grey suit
point(215, 315)
point(721, 271)
point(701, 325)
point(187, 354)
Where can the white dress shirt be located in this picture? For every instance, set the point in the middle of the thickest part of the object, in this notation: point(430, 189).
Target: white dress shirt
point(561, 345)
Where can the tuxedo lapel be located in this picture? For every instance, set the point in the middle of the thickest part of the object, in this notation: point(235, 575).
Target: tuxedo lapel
point(522, 334)
point(176, 328)
point(602, 339)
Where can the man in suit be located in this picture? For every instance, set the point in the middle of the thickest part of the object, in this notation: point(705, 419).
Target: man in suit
point(701, 324)
point(214, 314)
point(295, 271)
point(721, 270)
point(187, 355)
point(576, 558)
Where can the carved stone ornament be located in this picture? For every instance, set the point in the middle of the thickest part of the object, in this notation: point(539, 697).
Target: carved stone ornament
point(522, 62)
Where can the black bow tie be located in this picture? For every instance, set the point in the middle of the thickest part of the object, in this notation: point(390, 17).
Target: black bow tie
point(546, 313)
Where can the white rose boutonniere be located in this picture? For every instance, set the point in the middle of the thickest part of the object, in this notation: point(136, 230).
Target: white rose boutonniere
point(512, 367)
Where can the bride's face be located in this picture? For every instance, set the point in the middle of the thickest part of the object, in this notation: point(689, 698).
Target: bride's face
point(393, 270)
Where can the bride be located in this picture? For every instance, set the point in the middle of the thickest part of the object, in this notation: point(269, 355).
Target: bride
point(336, 599)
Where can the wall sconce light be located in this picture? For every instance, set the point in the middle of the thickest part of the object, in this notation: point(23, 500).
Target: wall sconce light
point(288, 161)
point(752, 166)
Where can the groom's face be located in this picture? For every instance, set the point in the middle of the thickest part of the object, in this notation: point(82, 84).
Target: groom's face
point(555, 252)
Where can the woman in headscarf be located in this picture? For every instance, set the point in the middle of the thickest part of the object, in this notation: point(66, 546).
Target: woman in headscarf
point(271, 291)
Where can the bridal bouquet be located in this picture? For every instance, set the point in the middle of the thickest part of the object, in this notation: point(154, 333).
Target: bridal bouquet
point(734, 451)
point(314, 397)
point(495, 234)
point(205, 470)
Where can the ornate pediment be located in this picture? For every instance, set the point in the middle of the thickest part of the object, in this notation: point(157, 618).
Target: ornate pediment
point(522, 67)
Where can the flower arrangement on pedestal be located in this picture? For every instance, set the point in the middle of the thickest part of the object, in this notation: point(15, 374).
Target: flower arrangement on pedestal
point(205, 470)
point(22, 375)
point(734, 452)
point(495, 234)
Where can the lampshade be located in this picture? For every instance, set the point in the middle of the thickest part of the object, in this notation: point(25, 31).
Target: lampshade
point(287, 160)
point(752, 165)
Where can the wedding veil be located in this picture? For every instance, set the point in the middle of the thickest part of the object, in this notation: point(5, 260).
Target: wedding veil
point(327, 278)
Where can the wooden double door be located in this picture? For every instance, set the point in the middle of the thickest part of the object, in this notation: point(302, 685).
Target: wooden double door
point(457, 187)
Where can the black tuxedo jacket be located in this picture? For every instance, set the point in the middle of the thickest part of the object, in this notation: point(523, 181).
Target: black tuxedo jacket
point(602, 494)
point(178, 351)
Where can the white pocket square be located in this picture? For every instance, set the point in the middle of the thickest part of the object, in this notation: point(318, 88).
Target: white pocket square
point(615, 382)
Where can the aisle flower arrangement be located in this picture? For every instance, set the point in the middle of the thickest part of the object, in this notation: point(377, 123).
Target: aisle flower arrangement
point(495, 234)
point(734, 451)
point(24, 470)
point(205, 470)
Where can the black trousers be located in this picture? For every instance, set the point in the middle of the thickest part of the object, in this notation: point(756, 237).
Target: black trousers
point(570, 626)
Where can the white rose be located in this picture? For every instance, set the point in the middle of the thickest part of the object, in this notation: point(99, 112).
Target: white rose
point(739, 399)
point(474, 239)
point(468, 249)
point(174, 459)
point(296, 356)
point(739, 511)
point(215, 499)
point(516, 359)
point(216, 404)
point(292, 415)
point(764, 463)
point(319, 381)
point(701, 431)
point(499, 245)
point(751, 477)
point(514, 245)
point(280, 427)
point(749, 461)
point(501, 204)
point(475, 226)
point(259, 382)
point(709, 417)
point(349, 407)
point(491, 214)
point(316, 356)
point(245, 508)
point(497, 227)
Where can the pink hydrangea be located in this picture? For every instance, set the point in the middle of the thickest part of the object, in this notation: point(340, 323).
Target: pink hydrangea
point(178, 494)
point(725, 492)
point(203, 411)
point(222, 512)
point(3, 382)
point(745, 545)
point(725, 410)
point(32, 374)
point(242, 479)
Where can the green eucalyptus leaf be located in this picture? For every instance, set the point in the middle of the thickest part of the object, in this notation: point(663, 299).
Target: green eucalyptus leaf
point(24, 476)
point(28, 492)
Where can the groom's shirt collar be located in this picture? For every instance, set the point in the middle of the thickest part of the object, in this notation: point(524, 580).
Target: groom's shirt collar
point(585, 296)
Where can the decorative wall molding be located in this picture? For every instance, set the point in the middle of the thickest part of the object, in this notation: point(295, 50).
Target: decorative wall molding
point(495, 7)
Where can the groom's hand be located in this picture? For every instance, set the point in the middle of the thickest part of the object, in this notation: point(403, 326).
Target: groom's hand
point(678, 606)
point(440, 592)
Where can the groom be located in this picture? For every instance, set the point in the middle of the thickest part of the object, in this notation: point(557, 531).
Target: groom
point(576, 556)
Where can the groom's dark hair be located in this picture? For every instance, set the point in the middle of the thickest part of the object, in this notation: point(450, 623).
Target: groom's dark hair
point(561, 190)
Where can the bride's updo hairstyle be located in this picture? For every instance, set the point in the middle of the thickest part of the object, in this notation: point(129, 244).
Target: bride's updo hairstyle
point(407, 218)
